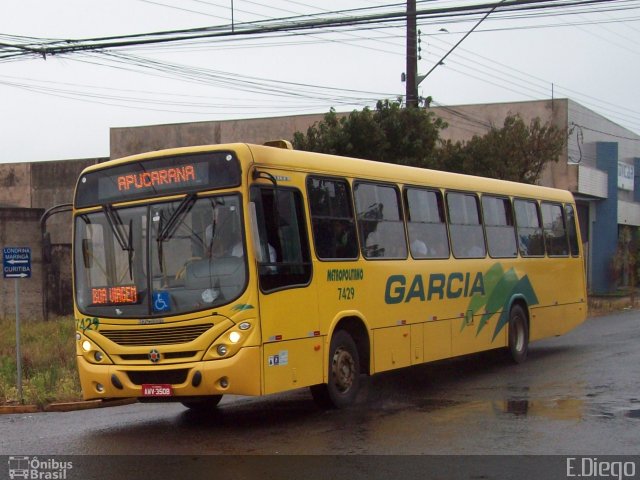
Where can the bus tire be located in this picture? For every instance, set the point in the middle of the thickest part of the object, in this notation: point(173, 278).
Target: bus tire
point(203, 404)
point(518, 334)
point(344, 374)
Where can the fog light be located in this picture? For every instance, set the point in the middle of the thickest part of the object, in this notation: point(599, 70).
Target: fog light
point(222, 350)
point(244, 326)
point(86, 345)
point(234, 337)
point(98, 356)
point(99, 387)
point(224, 382)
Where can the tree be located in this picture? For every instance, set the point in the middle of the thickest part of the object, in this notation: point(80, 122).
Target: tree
point(514, 152)
point(411, 136)
point(390, 133)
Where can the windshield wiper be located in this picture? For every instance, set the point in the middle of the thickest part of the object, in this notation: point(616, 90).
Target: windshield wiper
point(126, 243)
point(167, 230)
point(176, 217)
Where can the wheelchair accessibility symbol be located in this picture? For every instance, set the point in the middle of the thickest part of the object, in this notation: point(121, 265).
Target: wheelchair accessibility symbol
point(161, 302)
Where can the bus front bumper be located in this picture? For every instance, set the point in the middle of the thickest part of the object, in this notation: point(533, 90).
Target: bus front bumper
point(239, 375)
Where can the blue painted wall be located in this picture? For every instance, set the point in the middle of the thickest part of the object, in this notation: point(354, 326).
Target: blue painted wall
point(636, 179)
point(605, 227)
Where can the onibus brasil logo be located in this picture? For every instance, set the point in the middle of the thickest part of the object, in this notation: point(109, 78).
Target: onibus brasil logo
point(38, 469)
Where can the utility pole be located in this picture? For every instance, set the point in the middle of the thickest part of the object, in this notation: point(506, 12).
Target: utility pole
point(412, 56)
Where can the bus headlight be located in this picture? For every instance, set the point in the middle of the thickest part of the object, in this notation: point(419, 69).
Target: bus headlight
point(91, 352)
point(234, 337)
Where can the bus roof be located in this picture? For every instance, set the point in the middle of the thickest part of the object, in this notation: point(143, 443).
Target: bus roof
point(333, 165)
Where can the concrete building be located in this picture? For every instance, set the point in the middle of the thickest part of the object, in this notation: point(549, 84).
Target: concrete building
point(28, 189)
point(599, 164)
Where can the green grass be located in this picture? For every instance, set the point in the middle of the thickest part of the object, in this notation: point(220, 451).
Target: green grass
point(49, 372)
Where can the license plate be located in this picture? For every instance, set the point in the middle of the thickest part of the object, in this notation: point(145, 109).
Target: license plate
point(161, 390)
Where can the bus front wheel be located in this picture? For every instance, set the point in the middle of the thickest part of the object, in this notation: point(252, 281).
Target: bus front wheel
point(518, 334)
point(344, 374)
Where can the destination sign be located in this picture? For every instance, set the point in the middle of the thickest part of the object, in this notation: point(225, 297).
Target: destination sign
point(121, 295)
point(158, 176)
point(150, 182)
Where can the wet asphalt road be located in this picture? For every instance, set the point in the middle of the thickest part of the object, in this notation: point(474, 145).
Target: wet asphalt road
point(576, 394)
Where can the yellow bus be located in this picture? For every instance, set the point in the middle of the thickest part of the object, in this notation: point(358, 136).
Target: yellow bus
point(255, 269)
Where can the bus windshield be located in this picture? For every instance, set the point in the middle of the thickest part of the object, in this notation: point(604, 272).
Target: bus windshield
point(160, 259)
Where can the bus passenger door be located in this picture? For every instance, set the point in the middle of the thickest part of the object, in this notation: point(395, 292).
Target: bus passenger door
point(292, 353)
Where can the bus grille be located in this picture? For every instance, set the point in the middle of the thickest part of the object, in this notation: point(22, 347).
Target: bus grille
point(172, 377)
point(156, 336)
point(166, 356)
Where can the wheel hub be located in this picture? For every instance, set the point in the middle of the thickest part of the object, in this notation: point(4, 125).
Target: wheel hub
point(343, 367)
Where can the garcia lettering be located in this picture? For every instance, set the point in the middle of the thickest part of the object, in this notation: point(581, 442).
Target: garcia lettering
point(439, 286)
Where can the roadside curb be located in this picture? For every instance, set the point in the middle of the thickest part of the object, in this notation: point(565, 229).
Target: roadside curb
point(65, 406)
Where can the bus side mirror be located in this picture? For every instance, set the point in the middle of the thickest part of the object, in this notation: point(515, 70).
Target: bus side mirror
point(87, 253)
point(46, 248)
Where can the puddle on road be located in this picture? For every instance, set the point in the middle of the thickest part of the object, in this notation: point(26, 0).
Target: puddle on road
point(432, 404)
point(566, 409)
point(569, 409)
point(552, 408)
point(633, 414)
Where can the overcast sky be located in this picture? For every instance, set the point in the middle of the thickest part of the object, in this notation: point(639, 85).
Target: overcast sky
point(62, 107)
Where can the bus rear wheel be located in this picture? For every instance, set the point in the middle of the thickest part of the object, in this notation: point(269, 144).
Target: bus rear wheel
point(203, 404)
point(344, 374)
point(518, 334)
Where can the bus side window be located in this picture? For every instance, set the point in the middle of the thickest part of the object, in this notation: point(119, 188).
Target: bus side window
point(530, 237)
point(498, 223)
point(572, 230)
point(555, 232)
point(467, 237)
point(380, 222)
point(285, 248)
point(334, 228)
point(426, 224)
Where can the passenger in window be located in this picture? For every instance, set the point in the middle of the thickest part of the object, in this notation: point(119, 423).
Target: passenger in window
point(341, 234)
point(273, 256)
point(419, 249)
point(222, 243)
point(439, 247)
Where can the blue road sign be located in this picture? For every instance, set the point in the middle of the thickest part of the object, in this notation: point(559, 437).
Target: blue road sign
point(16, 262)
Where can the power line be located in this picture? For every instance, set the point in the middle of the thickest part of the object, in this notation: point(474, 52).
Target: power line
point(622, 137)
point(287, 24)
